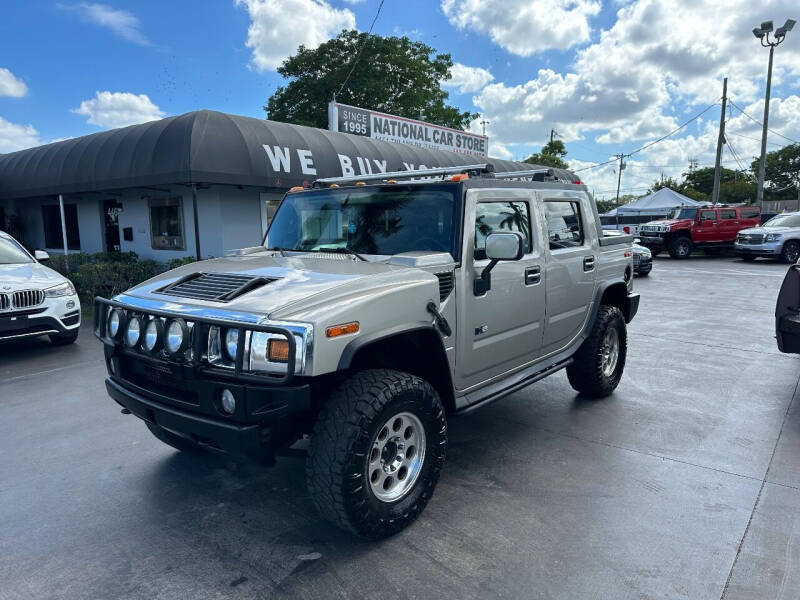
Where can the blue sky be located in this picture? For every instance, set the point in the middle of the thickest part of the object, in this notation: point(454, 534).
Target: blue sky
point(609, 77)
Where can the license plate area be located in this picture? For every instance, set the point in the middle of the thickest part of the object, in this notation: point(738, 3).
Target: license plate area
point(161, 377)
point(19, 323)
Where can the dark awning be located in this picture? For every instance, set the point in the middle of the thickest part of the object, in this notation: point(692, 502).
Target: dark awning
point(213, 148)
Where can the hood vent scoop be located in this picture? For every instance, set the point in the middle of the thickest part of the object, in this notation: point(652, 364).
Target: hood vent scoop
point(445, 285)
point(214, 287)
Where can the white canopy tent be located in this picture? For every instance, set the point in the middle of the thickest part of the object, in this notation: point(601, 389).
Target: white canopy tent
point(660, 202)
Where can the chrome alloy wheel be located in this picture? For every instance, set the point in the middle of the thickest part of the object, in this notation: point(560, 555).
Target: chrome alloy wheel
point(396, 457)
point(609, 352)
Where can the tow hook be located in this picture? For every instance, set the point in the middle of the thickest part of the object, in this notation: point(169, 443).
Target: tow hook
point(441, 322)
point(125, 411)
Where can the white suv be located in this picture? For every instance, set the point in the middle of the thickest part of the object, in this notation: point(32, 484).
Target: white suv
point(35, 300)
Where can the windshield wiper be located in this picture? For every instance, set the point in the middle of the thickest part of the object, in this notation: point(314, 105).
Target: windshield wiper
point(342, 249)
point(282, 250)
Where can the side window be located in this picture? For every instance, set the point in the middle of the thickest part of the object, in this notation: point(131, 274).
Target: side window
point(749, 213)
point(708, 215)
point(564, 225)
point(495, 217)
point(728, 214)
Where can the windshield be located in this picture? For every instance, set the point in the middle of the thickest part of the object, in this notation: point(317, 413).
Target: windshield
point(11, 253)
point(366, 221)
point(683, 213)
point(784, 221)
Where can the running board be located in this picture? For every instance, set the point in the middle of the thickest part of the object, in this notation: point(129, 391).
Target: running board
point(482, 397)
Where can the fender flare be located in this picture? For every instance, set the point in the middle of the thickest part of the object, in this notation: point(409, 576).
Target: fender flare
point(360, 342)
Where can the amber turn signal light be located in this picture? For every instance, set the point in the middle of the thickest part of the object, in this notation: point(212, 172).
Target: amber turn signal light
point(343, 329)
point(278, 350)
point(297, 188)
point(459, 177)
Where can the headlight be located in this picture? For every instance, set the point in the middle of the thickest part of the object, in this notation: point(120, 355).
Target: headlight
point(232, 343)
point(177, 336)
point(269, 352)
point(773, 237)
point(115, 318)
point(153, 335)
point(62, 289)
point(133, 332)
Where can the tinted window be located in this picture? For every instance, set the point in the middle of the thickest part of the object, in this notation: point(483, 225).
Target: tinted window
point(728, 214)
point(494, 217)
point(749, 213)
point(708, 215)
point(51, 218)
point(166, 223)
point(564, 227)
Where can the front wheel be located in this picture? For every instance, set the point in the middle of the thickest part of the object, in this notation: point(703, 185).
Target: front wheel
point(376, 452)
point(790, 252)
point(680, 247)
point(599, 362)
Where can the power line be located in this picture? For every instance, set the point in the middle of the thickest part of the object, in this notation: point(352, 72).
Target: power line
point(741, 110)
point(747, 137)
point(361, 48)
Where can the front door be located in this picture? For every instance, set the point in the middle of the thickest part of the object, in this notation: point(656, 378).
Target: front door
point(111, 210)
point(571, 268)
point(707, 229)
point(728, 224)
point(501, 329)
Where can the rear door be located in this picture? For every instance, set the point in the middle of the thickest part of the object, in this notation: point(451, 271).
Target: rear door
point(707, 228)
point(729, 224)
point(571, 267)
point(501, 329)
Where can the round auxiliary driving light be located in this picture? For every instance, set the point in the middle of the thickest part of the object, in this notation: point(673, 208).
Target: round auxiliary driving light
point(114, 322)
point(133, 332)
point(227, 402)
point(177, 336)
point(153, 335)
point(232, 343)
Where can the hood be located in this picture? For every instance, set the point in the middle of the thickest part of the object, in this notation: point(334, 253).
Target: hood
point(671, 222)
point(28, 276)
point(300, 282)
point(765, 230)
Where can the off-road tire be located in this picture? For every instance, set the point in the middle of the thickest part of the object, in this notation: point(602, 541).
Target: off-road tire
point(586, 374)
point(680, 247)
point(790, 251)
point(747, 257)
point(336, 467)
point(171, 439)
point(64, 339)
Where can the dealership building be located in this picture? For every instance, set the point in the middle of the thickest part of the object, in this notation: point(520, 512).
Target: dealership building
point(197, 184)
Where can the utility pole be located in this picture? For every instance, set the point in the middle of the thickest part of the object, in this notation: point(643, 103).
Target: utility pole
point(762, 162)
point(720, 142)
point(553, 135)
point(484, 123)
point(619, 174)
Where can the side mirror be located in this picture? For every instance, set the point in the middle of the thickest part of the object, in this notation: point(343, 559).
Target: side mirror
point(41, 255)
point(499, 246)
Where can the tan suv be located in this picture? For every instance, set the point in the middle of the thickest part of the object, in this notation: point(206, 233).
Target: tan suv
point(373, 311)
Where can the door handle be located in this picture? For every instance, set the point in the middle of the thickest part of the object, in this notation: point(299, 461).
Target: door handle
point(533, 275)
point(588, 263)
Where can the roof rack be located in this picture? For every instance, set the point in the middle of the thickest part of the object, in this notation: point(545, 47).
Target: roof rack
point(532, 173)
point(474, 170)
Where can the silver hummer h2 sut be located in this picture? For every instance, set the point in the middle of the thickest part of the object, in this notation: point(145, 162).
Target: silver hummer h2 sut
point(374, 310)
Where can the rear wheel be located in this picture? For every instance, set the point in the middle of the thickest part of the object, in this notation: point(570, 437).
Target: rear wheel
point(790, 252)
point(600, 361)
point(680, 247)
point(376, 453)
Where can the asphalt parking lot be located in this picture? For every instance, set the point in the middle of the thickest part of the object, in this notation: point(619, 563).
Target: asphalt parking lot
point(684, 484)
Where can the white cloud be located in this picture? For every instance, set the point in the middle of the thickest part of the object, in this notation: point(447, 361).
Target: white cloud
point(11, 85)
point(121, 22)
point(278, 27)
point(118, 109)
point(468, 79)
point(524, 27)
point(17, 137)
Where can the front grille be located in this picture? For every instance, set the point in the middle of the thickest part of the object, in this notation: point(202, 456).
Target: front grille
point(4, 302)
point(27, 298)
point(751, 238)
point(445, 285)
point(215, 287)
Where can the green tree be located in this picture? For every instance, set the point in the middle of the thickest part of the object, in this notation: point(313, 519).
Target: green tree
point(394, 75)
point(781, 172)
point(552, 155)
point(739, 191)
point(663, 182)
point(702, 180)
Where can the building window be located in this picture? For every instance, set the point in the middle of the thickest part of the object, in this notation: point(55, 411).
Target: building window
point(51, 217)
point(166, 223)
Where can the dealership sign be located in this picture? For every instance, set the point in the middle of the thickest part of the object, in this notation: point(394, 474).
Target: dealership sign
point(380, 126)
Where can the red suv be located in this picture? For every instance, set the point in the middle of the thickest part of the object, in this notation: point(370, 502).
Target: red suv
point(706, 227)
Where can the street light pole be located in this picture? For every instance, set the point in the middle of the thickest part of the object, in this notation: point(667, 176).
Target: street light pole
point(762, 33)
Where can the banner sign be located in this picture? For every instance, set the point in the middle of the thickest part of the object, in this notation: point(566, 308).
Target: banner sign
point(380, 126)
